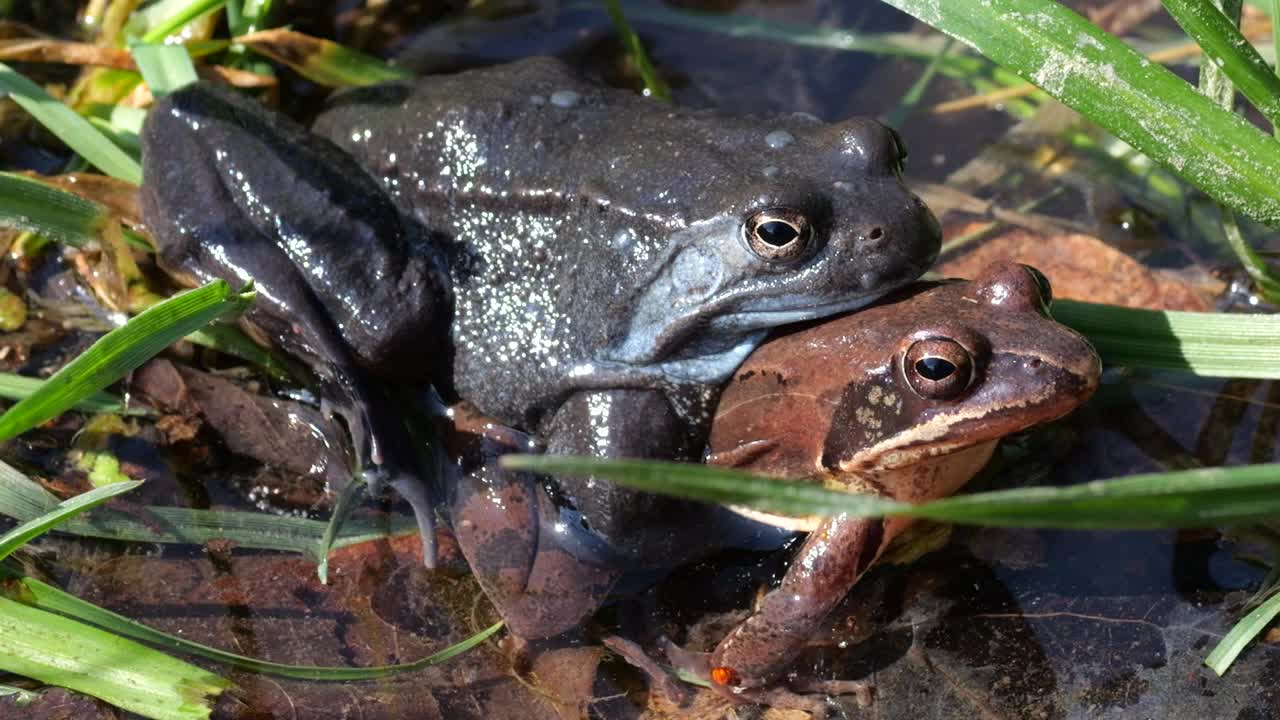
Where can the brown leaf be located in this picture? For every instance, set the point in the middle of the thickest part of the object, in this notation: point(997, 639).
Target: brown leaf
point(74, 53)
point(1081, 267)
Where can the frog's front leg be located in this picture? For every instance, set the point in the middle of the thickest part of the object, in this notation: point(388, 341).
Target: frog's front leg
point(746, 665)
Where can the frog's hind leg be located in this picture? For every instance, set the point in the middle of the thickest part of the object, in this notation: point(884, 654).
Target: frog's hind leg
point(508, 528)
point(233, 191)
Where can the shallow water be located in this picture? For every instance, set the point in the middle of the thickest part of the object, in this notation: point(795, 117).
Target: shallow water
point(997, 624)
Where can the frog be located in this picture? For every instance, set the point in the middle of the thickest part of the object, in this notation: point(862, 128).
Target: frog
point(583, 264)
point(905, 400)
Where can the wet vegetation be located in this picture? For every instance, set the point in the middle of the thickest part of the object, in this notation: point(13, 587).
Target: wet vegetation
point(234, 541)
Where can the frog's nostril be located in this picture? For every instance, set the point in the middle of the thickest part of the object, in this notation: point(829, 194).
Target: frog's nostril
point(875, 234)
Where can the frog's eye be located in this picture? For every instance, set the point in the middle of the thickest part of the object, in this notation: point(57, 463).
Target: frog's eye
point(938, 368)
point(778, 235)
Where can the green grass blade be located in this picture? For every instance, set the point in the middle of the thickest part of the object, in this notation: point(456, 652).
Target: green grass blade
point(322, 61)
point(69, 127)
point(24, 499)
point(654, 85)
point(233, 341)
point(47, 597)
point(31, 205)
point(711, 484)
point(1192, 498)
point(59, 651)
point(17, 387)
point(188, 13)
point(1207, 497)
point(1231, 51)
point(120, 351)
point(1207, 344)
point(1139, 101)
point(347, 501)
point(67, 509)
point(165, 68)
point(1249, 627)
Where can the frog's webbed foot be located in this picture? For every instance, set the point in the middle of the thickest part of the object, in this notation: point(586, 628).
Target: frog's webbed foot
point(660, 679)
point(812, 696)
point(388, 453)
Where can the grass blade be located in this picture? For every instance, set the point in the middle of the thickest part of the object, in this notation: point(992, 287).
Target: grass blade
point(1191, 498)
point(31, 205)
point(654, 85)
point(17, 387)
point(165, 68)
point(1231, 51)
point(23, 499)
point(120, 351)
point(67, 509)
point(1249, 627)
point(47, 597)
point(188, 13)
point(322, 61)
point(1206, 344)
point(711, 484)
point(69, 127)
point(60, 651)
point(1137, 100)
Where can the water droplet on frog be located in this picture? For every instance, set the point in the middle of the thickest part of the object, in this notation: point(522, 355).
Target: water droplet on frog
point(779, 139)
point(565, 98)
point(623, 239)
point(843, 186)
point(770, 171)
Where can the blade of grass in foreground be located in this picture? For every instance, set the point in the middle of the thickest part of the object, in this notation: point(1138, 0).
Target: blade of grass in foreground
point(1138, 100)
point(60, 651)
point(47, 597)
point(1206, 344)
point(1234, 642)
point(69, 127)
point(27, 204)
point(22, 498)
point(121, 351)
point(25, 532)
point(165, 68)
point(1192, 498)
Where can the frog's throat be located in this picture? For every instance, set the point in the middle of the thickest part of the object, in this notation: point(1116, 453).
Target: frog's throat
point(712, 350)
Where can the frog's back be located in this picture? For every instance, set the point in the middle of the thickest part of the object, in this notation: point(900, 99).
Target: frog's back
point(587, 225)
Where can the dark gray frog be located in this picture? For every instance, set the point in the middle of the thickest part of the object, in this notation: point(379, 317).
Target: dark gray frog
point(578, 262)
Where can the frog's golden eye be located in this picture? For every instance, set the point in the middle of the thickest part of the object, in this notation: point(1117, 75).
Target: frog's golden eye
point(938, 368)
point(778, 235)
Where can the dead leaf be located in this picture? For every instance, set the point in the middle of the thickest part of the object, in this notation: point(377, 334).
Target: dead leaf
point(1081, 267)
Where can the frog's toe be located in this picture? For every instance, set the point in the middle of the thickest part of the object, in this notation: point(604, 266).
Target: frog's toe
point(416, 492)
point(661, 680)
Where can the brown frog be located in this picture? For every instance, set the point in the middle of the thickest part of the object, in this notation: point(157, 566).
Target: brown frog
point(906, 400)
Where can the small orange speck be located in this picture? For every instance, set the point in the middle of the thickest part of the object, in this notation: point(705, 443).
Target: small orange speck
point(724, 676)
